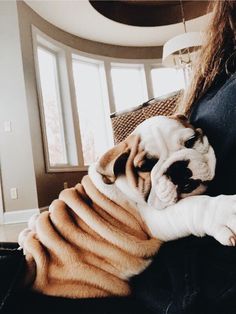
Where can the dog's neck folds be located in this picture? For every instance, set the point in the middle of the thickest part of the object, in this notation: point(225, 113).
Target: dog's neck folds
point(87, 245)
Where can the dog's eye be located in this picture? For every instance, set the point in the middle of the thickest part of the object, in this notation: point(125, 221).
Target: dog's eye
point(148, 164)
point(191, 141)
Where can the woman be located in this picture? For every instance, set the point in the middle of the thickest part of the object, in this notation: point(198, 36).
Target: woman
point(199, 275)
point(191, 275)
point(211, 99)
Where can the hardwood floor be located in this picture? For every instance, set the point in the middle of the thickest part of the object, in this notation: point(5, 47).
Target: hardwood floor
point(9, 232)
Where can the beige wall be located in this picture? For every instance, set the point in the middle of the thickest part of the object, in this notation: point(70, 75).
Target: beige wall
point(17, 167)
point(49, 185)
point(22, 157)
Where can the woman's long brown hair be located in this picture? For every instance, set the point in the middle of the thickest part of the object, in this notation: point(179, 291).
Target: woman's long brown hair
point(219, 44)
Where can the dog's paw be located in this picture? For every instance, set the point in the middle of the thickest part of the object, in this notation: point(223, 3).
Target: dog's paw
point(166, 191)
point(220, 221)
point(22, 236)
point(32, 221)
point(31, 227)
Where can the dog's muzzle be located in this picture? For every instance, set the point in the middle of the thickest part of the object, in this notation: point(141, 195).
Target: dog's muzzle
point(180, 175)
point(185, 172)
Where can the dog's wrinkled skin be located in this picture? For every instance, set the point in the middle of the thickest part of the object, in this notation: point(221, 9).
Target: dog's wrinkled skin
point(156, 175)
point(161, 168)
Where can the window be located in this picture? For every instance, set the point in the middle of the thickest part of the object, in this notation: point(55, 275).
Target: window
point(129, 86)
point(51, 100)
point(167, 80)
point(89, 80)
point(79, 91)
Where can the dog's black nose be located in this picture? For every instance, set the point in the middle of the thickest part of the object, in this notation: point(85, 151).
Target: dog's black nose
point(179, 172)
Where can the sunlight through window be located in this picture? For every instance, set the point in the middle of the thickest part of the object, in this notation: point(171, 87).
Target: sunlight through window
point(167, 80)
point(129, 86)
point(52, 107)
point(91, 109)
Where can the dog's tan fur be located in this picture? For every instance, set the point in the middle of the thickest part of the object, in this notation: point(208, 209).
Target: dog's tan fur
point(93, 238)
point(88, 245)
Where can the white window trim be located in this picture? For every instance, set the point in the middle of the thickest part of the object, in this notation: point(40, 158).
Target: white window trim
point(107, 62)
point(141, 67)
point(159, 66)
point(60, 109)
point(105, 96)
point(54, 49)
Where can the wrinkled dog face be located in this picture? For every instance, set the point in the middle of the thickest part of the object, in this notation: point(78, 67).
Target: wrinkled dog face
point(163, 160)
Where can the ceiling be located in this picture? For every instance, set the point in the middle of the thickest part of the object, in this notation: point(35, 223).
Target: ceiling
point(80, 18)
point(150, 13)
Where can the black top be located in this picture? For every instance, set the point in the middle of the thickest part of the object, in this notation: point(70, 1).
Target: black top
point(187, 276)
point(215, 114)
point(195, 275)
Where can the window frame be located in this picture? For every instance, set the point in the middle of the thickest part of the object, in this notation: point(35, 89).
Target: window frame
point(45, 42)
point(104, 89)
point(161, 66)
point(140, 67)
point(59, 105)
point(66, 55)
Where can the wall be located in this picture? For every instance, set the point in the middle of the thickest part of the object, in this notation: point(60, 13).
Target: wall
point(22, 156)
point(49, 185)
point(27, 17)
point(17, 169)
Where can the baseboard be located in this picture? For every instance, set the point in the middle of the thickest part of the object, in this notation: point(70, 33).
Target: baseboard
point(19, 216)
point(43, 209)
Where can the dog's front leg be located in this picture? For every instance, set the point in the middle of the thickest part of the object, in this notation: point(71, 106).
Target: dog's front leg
point(197, 215)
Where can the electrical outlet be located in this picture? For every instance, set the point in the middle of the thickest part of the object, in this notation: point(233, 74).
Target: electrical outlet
point(65, 185)
point(7, 126)
point(14, 194)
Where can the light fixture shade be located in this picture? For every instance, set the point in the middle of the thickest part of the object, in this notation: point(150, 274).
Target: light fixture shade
point(177, 46)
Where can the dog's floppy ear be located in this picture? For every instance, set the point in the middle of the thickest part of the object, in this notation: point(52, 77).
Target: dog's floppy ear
point(114, 161)
point(180, 117)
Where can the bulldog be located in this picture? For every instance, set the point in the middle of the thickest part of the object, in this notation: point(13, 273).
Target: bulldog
point(141, 193)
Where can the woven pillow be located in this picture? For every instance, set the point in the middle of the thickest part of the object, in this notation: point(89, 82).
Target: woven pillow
point(124, 122)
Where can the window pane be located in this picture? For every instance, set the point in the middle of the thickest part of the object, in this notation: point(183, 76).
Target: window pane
point(129, 86)
point(167, 80)
point(91, 109)
point(51, 107)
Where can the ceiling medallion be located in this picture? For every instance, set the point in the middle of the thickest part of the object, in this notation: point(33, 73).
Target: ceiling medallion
point(145, 13)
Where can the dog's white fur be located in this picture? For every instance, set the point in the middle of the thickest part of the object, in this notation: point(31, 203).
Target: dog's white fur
point(166, 216)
